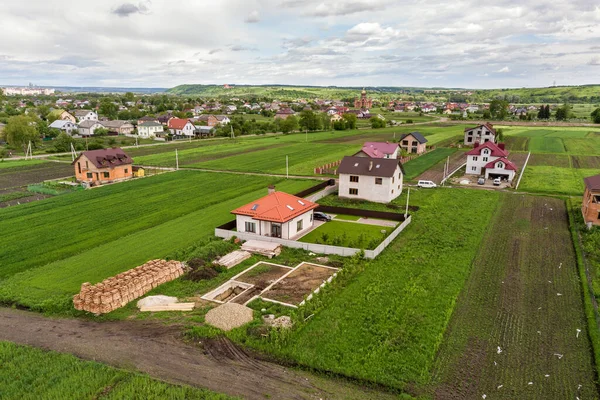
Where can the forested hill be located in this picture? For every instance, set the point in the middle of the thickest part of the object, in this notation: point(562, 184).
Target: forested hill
point(558, 94)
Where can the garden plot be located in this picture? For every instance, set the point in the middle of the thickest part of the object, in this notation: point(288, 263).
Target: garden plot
point(303, 281)
point(274, 283)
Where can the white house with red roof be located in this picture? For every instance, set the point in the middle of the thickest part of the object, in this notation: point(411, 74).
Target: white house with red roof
point(379, 150)
point(480, 134)
point(490, 160)
point(278, 214)
point(181, 127)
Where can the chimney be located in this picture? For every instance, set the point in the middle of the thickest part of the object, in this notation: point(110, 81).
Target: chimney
point(370, 165)
point(501, 145)
point(271, 189)
point(476, 145)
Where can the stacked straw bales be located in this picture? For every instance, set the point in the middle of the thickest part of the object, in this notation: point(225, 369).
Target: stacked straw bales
point(117, 291)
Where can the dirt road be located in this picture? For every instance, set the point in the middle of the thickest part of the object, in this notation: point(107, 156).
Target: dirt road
point(158, 350)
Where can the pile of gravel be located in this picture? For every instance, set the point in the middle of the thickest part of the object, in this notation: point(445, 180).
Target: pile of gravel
point(229, 315)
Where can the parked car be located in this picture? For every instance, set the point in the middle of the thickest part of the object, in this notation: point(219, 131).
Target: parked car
point(319, 216)
point(497, 182)
point(481, 181)
point(426, 184)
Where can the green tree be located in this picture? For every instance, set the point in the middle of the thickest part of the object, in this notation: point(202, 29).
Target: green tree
point(350, 120)
point(101, 132)
point(20, 130)
point(62, 143)
point(499, 135)
point(377, 122)
point(309, 120)
point(596, 116)
point(108, 109)
point(289, 124)
point(499, 109)
point(563, 113)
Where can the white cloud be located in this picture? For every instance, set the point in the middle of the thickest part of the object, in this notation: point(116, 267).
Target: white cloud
point(252, 18)
point(504, 70)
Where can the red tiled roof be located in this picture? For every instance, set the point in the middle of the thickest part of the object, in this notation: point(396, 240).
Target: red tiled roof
point(507, 164)
point(496, 151)
point(276, 207)
point(178, 123)
point(487, 125)
point(106, 158)
point(379, 149)
point(592, 182)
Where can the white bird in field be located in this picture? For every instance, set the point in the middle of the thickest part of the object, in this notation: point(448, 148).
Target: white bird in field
point(499, 350)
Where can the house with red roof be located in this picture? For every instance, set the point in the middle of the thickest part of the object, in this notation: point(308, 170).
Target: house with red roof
point(278, 214)
point(103, 165)
point(480, 134)
point(490, 160)
point(379, 150)
point(181, 127)
point(590, 207)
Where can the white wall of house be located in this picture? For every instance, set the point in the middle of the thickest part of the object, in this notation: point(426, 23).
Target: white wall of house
point(90, 116)
point(368, 189)
point(188, 130)
point(149, 131)
point(500, 170)
point(475, 164)
point(479, 134)
point(288, 229)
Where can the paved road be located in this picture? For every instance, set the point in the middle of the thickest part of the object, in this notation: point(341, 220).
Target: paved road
point(158, 350)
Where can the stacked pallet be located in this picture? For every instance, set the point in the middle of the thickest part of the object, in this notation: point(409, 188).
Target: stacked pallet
point(117, 291)
point(266, 249)
point(232, 259)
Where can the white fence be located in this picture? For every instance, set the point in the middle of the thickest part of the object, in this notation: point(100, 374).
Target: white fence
point(314, 247)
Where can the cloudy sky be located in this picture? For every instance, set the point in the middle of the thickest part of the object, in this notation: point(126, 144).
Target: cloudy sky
point(163, 43)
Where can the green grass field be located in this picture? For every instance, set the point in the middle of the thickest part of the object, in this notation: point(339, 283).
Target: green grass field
point(555, 180)
point(115, 228)
point(348, 234)
point(19, 163)
point(29, 373)
point(546, 144)
point(417, 166)
point(583, 146)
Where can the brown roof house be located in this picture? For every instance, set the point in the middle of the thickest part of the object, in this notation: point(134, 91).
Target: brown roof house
point(106, 165)
point(373, 179)
point(591, 201)
point(413, 143)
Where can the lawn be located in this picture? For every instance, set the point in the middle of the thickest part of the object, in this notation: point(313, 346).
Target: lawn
point(347, 217)
point(546, 144)
point(417, 166)
point(589, 146)
point(29, 373)
point(348, 234)
point(388, 322)
point(132, 223)
point(19, 163)
point(555, 180)
point(546, 131)
point(303, 158)
point(520, 312)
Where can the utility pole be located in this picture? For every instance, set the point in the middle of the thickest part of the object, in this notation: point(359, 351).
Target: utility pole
point(29, 151)
point(232, 134)
point(287, 168)
point(306, 131)
point(73, 153)
point(407, 198)
point(176, 160)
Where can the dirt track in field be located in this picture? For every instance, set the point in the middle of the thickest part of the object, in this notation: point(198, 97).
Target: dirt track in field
point(514, 332)
point(159, 351)
point(436, 173)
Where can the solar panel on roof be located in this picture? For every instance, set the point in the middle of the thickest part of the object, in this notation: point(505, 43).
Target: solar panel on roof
point(255, 207)
point(301, 202)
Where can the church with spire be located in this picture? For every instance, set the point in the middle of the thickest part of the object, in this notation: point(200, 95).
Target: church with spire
point(364, 102)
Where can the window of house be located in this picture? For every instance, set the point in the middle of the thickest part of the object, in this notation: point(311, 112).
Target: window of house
point(353, 191)
point(126, 170)
point(469, 140)
point(392, 179)
point(414, 143)
point(500, 165)
point(598, 216)
point(86, 165)
point(353, 178)
point(486, 151)
point(299, 226)
point(400, 175)
point(474, 158)
point(250, 227)
point(106, 175)
point(405, 142)
point(485, 158)
point(89, 175)
point(596, 199)
point(473, 168)
point(311, 217)
point(79, 167)
point(379, 181)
